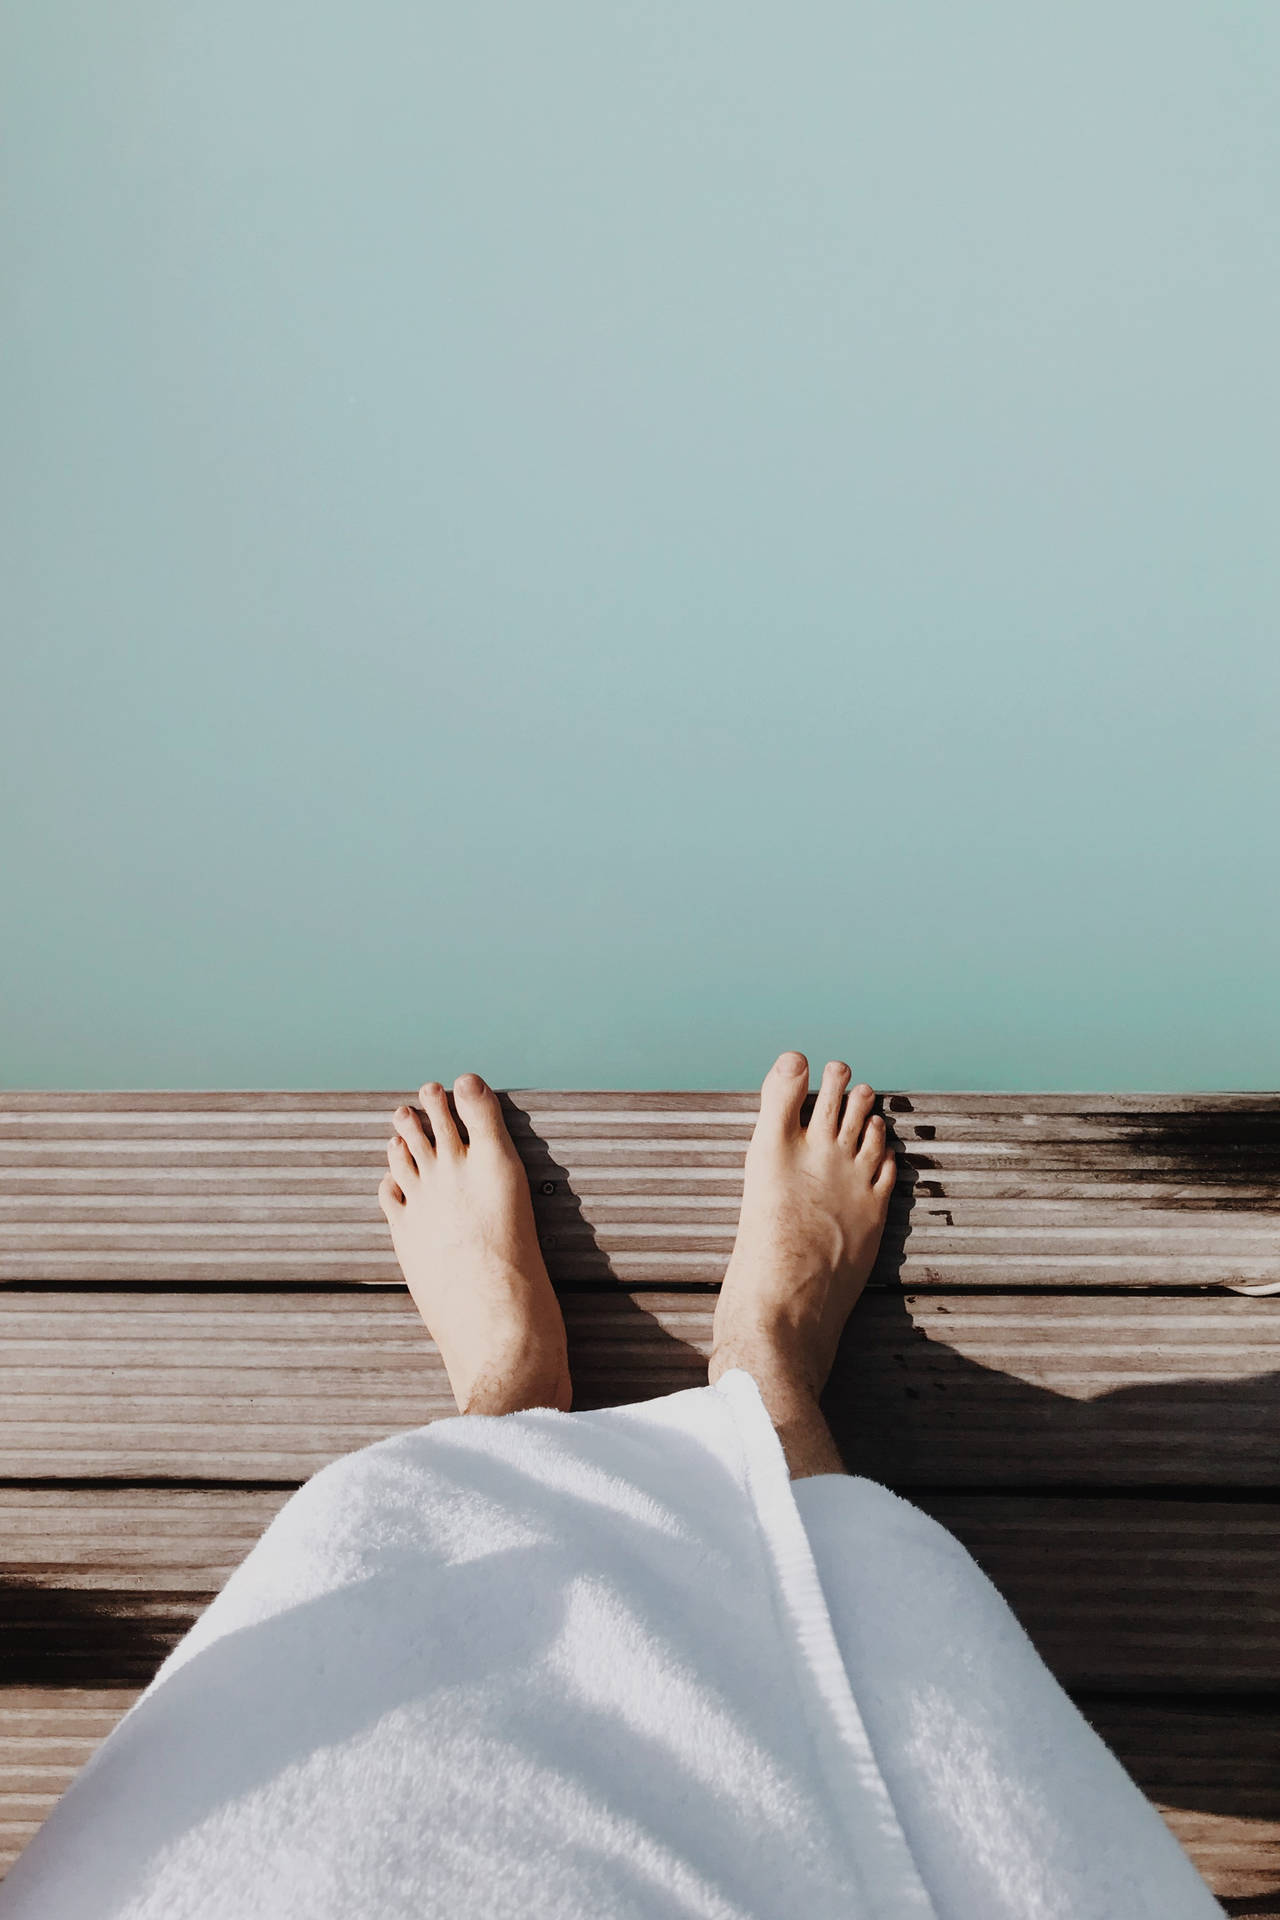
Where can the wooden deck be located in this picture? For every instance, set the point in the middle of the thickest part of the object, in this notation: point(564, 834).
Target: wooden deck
point(200, 1307)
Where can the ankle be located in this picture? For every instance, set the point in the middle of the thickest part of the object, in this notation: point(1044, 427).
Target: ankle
point(499, 1390)
point(773, 1360)
point(807, 1442)
point(795, 1415)
point(791, 1400)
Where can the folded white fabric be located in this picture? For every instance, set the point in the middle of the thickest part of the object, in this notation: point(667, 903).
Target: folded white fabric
point(583, 1665)
point(1010, 1802)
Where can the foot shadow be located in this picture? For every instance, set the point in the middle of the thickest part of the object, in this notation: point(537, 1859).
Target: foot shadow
point(619, 1353)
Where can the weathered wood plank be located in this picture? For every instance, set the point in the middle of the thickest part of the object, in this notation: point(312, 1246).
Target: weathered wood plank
point(318, 1213)
point(266, 1235)
point(634, 1270)
point(966, 1390)
point(47, 1734)
point(1134, 1595)
point(1246, 1134)
point(317, 1216)
point(636, 1254)
point(984, 1390)
point(1119, 1595)
point(1215, 1776)
point(679, 1183)
point(642, 1189)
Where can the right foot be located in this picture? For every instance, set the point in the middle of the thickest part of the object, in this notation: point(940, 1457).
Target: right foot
point(815, 1199)
point(461, 1219)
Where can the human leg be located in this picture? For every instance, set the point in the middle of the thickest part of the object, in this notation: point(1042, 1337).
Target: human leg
point(815, 1200)
point(461, 1220)
point(814, 1205)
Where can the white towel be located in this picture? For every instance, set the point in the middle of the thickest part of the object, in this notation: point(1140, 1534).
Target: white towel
point(597, 1664)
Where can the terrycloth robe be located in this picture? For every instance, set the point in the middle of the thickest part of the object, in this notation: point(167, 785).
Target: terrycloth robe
point(595, 1664)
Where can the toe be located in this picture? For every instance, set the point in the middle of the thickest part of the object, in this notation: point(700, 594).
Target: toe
point(444, 1127)
point(401, 1161)
point(857, 1107)
point(870, 1154)
point(883, 1182)
point(408, 1126)
point(389, 1195)
point(785, 1088)
point(478, 1108)
point(826, 1108)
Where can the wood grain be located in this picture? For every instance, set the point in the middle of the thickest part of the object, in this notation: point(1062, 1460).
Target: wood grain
point(640, 1189)
point(1215, 1776)
point(938, 1389)
point(47, 1734)
point(1119, 1595)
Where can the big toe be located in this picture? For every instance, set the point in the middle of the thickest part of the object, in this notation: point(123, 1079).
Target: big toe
point(783, 1094)
point(478, 1108)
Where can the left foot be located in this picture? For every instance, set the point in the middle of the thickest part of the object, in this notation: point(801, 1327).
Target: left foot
point(461, 1219)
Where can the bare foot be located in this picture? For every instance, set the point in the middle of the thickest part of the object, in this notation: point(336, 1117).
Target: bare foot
point(461, 1220)
point(814, 1205)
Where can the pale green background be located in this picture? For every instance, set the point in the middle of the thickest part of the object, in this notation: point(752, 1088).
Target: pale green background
point(596, 541)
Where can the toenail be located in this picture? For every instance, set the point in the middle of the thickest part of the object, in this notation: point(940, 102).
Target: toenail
point(402, 1113)
point(792, 1062)
point(864, 1090)
point(470, 1083)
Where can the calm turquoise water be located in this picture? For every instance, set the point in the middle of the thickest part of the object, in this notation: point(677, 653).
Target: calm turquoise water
point(595, 543)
